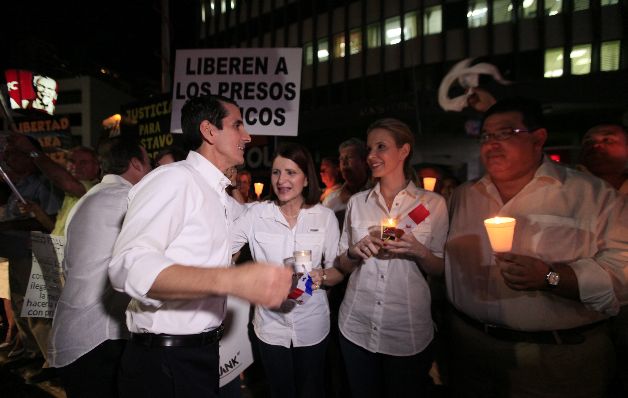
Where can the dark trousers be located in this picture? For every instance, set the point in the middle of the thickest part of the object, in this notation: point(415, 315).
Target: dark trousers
point(154, 372)
point(95, 374)
point(296, 371)
point(380, 375)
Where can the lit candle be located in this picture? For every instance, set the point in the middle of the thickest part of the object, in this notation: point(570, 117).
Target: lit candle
point(500, 232)
point(429, 183)
point(388, 229)
point(303, 259)
point(259, 187)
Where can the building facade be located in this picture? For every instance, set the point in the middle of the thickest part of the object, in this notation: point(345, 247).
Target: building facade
point(377, 58)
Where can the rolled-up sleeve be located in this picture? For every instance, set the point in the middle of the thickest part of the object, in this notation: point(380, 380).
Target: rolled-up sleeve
point(332, 237)
point(156, 215)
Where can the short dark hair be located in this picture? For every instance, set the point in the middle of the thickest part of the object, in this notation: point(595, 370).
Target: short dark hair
point(302, 157)
point(531, 111)
point(358, 144)
point(197, 109)
point(116, 153)
point(177, 153)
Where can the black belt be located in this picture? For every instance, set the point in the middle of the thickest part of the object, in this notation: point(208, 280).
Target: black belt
point(563, 336)
point(178, 340)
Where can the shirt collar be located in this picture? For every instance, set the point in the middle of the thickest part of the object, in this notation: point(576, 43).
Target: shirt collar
point(115, 179)
point(272, 211)
point(411, 190)
point(210, 173)
point(548, 170)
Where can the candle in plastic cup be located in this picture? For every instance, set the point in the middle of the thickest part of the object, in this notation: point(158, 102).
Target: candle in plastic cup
point(429, 183)
point(500, 233)
point(259, 187)
point(389, 229)
point(303, 260)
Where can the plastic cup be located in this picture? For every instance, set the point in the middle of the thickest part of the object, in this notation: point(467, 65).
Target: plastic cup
point(500, 232)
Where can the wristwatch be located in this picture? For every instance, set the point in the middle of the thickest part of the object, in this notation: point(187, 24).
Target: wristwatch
point(34, 154)
point(552, 278)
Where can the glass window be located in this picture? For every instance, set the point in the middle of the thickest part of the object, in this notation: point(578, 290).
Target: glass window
point(580, 59)
point(373, 36)
point(477, 14)
point(433, 20)
point(579, 5)
point(502, 11)
point(553, 62)
point(308, 53)
point(409, 26)
point(528, 9)
point(323, 50)
point(553, 7)
point(609, 55)
point(392, 29)
point(608, 2)
point(339, 45)
point(355, 41)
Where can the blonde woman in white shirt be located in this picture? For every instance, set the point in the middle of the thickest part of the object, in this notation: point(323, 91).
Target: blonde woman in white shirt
point(293, 338)
point(385, 320)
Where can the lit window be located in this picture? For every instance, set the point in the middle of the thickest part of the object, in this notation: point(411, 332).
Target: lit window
point(323, 50)
point(609, 56)
point(409, 26)
point(223, 6)
point(392, 29)
point(502, 11)
point(373, 37)
point(477, 14)
point(308, 53)
point(355, 41)
point(553, 7)
point(212, 7)
point(528, 8)
point(579, 5)
point(580, 59)
point(608, 2)
point(553, 62)
point(433, 20)
point(339, 45)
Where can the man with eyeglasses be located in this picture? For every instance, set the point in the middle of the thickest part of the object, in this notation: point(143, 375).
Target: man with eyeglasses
point(533, 322)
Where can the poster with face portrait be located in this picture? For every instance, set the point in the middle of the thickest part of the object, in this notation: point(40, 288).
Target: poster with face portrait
point(28, 90)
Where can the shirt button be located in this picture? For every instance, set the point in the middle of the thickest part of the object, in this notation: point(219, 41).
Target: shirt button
point(379, 303)
point(381, 276)
point(374, 327)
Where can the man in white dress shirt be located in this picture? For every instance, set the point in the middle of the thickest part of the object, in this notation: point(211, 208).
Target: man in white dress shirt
point(172, 257)
point(532, 322)
point(88, 332)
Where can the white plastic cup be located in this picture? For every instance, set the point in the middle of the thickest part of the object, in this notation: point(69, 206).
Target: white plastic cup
point(429, 183)
point(500, 232)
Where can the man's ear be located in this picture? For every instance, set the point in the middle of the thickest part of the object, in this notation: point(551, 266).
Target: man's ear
point(136, 164)
point(208, 131)
point(540, 136)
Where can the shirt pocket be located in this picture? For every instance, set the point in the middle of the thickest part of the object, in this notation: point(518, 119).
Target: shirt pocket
point(269, 247)
point(360, 230)
point(556, 238)
point(423, 232)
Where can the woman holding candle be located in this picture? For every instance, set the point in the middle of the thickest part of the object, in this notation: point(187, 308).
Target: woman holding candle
point(293, 338)
point(385, 317)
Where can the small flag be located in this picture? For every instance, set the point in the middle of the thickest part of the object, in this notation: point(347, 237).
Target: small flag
point(303, 289)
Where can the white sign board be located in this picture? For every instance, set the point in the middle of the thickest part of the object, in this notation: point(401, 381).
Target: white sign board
point(46, 279)
point(236, 353)
point(265, 82)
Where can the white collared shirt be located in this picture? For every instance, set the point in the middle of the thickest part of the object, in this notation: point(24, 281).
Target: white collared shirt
point(563, 216)
point(271, 239)
point(178, 214)
point(387, 305)
point(89, 311)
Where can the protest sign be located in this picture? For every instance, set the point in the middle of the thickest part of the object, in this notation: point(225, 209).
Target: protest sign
point(46, 278)
point(235, 348)
point(265, 82)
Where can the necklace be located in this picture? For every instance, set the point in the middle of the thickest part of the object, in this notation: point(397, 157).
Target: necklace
point(288, 215)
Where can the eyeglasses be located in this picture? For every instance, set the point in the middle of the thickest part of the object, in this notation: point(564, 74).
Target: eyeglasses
point(501, 135)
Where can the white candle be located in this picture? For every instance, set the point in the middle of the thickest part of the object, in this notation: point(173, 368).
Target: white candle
point(500, 232)
point(429, 183)
point(303, 260)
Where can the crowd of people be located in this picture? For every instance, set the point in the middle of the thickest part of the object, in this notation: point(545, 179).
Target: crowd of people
point(405, 289)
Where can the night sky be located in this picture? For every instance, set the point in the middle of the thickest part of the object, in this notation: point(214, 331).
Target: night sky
point(70, 38)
